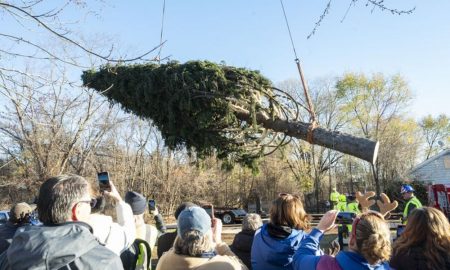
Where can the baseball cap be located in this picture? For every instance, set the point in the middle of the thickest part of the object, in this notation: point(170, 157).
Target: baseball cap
point(406, 188)
point(19, 211)
point(193, 218)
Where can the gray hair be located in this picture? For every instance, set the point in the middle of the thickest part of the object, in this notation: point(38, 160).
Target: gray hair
point(251, 222)
point(57, 196)
point(193, 243)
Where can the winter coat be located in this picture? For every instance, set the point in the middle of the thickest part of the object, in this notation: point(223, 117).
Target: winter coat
point(306, 258)
point(165, 242)
point(150, 233)
point(242, 246)
point(7, 232)
point(224, 260)
point(70, 245)
point(413, 259)
point(273, 247)
point(115, 236)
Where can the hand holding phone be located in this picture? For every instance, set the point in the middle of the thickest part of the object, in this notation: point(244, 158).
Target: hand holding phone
point(103, 181)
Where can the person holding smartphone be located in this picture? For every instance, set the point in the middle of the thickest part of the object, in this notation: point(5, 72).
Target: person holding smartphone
point(116, 236)
point(145, 231)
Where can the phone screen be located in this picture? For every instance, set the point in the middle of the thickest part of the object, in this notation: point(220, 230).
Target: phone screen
point(151, 205)
point(345, 217)
point(103, 181)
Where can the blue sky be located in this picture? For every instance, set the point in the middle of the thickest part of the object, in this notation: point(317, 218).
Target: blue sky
point(253, 34)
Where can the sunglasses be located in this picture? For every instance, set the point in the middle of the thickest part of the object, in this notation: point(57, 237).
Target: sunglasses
point(92, 202)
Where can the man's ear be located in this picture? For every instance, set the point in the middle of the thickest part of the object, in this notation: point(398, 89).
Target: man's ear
point(75, 212)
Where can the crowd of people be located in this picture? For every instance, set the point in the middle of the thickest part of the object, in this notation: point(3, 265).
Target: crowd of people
point(76, 234)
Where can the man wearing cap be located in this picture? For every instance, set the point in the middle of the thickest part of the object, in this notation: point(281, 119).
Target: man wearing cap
point(65, 240)
point(19, 217)
point(146, 232)
point(412, 202)
point(199, 245)
point(165, 241)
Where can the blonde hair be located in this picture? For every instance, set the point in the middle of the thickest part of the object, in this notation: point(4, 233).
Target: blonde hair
point(287, 210)
point(429, 228)
point(373, 237)
point(193, 243)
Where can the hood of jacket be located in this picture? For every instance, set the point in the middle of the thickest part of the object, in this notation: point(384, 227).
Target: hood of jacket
point(50, 247)
point(270, 252)
point(355, 261)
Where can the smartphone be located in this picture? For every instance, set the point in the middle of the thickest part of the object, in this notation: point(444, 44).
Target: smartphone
point(400, 230)
point(345, 218)
point(209, 208)
point(103, 181)
point(151, 205)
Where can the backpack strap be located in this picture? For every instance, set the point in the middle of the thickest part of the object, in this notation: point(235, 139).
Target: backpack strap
point(143, 245)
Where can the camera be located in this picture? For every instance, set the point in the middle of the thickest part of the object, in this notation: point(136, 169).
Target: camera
point(345, 218)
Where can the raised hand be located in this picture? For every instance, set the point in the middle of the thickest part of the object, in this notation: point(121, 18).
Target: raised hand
point(386, 205)
point(364, 201)
point(326, 223)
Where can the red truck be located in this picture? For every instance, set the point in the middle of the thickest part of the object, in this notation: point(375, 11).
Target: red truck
point(439, 197)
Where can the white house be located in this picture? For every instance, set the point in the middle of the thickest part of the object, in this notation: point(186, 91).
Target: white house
point(435, 170)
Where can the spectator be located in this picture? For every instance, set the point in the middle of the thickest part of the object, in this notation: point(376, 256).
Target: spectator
point(115, 236)
point(369, 245)
point(166, 240)
point(334, 198)
point(411, 201)
point(19, 216)
point(146, 232)
point(65, 241)
point(425, 243)
point(197, 246)
point(275, 243)
point(242, 242)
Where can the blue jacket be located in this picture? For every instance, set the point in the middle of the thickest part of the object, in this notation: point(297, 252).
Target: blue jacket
point(305, 258)
point(274, 253)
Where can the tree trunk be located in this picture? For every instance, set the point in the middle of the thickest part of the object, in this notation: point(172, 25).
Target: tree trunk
point(358, 147)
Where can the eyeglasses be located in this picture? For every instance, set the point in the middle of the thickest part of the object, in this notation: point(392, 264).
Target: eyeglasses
point(92, 202)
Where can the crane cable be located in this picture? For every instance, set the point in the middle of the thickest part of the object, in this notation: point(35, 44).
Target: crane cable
point(313, 118)
point(158, 58)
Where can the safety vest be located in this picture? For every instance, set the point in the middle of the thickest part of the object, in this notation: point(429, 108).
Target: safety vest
point(414, 201)
point(342, 206)
point(352, 207)
point(334, 196)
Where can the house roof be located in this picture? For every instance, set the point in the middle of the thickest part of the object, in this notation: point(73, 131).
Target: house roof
point(431, 159)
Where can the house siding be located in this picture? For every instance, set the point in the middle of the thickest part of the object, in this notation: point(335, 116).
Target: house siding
point(437, 171)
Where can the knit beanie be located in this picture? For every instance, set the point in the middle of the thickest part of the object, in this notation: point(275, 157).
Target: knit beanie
point(136, 201)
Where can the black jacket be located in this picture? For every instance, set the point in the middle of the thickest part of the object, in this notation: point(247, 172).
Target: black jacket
point(7, 232)
point(413, 259)
point(242, 246)
point(165, 242)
